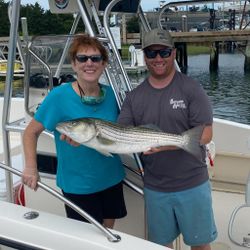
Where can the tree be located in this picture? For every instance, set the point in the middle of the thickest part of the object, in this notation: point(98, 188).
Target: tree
point(4, 20)
point(35, 18)
point(133, 25)
point(39, 21)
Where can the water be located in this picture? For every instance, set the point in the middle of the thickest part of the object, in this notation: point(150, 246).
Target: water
point(228, 89)
point(17, 87)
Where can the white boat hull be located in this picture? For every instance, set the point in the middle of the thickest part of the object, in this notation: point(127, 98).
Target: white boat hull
point(230, 171)
point(49, 231)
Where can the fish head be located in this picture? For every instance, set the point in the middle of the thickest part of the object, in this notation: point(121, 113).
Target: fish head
point(80, 130)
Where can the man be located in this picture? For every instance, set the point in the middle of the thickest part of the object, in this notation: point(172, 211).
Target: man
point(176, 184)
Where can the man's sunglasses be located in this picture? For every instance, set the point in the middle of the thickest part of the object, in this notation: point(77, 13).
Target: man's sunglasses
point(93, 58)
point(164, 53)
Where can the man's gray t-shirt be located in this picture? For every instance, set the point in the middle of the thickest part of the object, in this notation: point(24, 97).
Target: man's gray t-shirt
point(181, 105)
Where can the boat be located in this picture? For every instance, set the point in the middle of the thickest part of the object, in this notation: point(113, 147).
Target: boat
point(23, 228)
point(29, 220)
point(3, 66)
point(18, 67)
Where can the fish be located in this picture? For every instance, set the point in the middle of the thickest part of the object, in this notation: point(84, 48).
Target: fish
point(112, 138)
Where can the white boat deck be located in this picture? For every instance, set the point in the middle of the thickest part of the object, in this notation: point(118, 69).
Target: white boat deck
point(223, 203)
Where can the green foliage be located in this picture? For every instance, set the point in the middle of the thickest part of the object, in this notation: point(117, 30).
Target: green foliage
point(39, 21)
point(198, 49)
point(125, 52)
point(34, 15)
point(133, 25)
point(4, 21)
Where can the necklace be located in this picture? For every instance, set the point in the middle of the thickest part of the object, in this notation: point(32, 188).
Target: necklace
point(91, 100)
point(80, 89)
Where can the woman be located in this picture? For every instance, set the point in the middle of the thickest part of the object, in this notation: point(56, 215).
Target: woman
point(89, 179)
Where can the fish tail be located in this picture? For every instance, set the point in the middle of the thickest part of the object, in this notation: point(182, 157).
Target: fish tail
point(192, 139)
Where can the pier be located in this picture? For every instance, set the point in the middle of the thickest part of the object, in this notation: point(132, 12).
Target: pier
point(212, 38)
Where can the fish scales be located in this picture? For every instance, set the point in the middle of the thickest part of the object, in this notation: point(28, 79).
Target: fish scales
point(120, 131)
point(109, 137)
point(116, 133)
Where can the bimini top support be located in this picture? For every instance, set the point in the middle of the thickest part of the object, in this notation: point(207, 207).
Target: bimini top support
point(14, 19)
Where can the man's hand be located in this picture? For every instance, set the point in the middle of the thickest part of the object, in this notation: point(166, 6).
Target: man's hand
point(159, 149)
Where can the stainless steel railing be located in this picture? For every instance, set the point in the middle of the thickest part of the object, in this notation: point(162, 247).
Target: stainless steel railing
point(111, 237)
point(246, 240)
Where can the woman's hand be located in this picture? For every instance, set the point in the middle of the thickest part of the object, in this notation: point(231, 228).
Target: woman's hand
point(69, 140)
point(30, 177)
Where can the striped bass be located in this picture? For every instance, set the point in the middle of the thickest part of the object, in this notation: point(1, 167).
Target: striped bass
point(109, 137)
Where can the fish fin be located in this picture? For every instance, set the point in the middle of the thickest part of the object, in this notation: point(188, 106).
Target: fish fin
point(192, 141)
point(103, 140)
point(103, 152)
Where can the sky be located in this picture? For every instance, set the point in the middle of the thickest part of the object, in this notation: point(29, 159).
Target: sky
point(146, 4)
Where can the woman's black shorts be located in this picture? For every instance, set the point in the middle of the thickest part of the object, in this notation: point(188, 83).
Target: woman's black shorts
point(106, 204)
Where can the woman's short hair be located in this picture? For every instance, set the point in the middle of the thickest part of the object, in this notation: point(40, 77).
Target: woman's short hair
point(85, 41)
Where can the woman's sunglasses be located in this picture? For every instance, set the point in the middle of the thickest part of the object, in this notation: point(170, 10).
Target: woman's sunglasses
point(84, 58)
point(164, 53)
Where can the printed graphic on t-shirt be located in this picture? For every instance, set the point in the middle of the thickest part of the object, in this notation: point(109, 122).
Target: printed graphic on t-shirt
point(177, 104)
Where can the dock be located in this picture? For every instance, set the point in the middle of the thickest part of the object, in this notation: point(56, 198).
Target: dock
point(211, 36)
point(135, 69)
point(181, 39)
point(214, 39)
